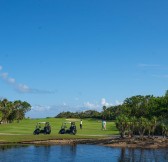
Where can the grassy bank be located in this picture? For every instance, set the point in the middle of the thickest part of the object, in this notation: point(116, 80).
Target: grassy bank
point(23, 131)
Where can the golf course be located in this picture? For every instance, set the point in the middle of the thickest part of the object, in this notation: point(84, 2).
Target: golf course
point(23, 131)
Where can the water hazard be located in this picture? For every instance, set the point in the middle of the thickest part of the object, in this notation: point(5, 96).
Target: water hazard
point(76, 153)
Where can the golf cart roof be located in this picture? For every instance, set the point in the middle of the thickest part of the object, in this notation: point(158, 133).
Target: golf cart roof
point(72, 120)
point(66, 122)
point(42, 122)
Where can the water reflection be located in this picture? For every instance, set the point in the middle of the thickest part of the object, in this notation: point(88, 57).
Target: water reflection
point(141, 155)
point(43, 151)
point(67, 150)
point(5, 147)
point(27, 153)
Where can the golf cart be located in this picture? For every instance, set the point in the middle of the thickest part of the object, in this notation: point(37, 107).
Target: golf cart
point(65, 130)
point(42, 127)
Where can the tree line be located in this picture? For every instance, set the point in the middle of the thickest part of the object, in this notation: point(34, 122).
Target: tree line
point(10, 111)
point(81, 115)
point(136, 115)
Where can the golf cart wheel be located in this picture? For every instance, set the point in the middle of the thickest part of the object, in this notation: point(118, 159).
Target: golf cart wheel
point(62, 131)
point(48, 132)
point(74, 132)
point(36, 132)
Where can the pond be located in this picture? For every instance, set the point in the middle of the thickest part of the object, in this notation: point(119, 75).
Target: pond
point(76, 153)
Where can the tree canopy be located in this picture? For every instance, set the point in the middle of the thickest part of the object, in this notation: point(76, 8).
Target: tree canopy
point(136, 106)
point(10, 111)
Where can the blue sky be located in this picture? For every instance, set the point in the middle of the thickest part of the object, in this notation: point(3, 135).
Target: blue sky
point(71, 55)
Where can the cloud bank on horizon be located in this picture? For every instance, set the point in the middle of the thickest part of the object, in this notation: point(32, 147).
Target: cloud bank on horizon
point(38, 111)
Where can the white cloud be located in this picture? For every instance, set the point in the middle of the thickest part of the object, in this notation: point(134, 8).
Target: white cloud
point(11, 80)
point(0, 67)
point(64, 104)
point(43, 111)
point(39, 111)
point(104, 103)
point(40, 108)
point(4, 75)
point(22, 88)
point(98, 107)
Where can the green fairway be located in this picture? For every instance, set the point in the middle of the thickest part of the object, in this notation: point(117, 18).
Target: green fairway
point(23, 131)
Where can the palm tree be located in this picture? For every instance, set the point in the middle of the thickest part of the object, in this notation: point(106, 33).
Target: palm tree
point(149, 127)
point(142, 126)
point(122, 124)
point(132, 125)
point(153, 125)
point(164, 129)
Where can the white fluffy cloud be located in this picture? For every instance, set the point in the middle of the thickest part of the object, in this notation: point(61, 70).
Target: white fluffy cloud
point(105, 103)
point(98, 106)
point(39, 111)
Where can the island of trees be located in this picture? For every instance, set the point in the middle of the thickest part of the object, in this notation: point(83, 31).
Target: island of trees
point(137, 115)
point(11, 111)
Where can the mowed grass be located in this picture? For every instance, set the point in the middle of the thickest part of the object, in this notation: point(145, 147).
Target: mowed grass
point(23, 131)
